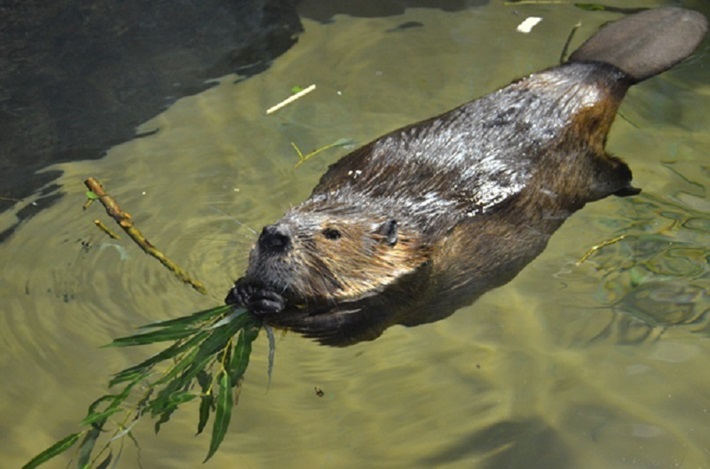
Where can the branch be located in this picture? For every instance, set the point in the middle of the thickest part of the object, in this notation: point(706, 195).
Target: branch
point(125, 221)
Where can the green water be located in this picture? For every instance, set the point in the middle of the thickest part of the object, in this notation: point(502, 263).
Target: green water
point(598, 364)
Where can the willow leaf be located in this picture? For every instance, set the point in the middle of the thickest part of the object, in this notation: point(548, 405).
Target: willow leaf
point(134, 373)
point(161, 335)
point(142, 369)
point(164, 398)
point(186, 363)
point(57, 448)
point(223, 414)
point(218, 339)
point(191, 319)
point(206, 406)
point(204, 379)
point(105, 463)
point(172, 403)
point(115, 399)
point(87, 446)
point(100, 416)
point(242, 351)
point(272, 351)
point(164, 417)
point(95, 404)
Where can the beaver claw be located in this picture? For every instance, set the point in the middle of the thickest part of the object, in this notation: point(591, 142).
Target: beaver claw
point(258, 300)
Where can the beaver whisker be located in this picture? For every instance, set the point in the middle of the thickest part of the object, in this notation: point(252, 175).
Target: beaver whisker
point(243, 225)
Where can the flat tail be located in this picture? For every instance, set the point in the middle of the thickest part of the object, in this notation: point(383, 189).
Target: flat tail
point(647, 43)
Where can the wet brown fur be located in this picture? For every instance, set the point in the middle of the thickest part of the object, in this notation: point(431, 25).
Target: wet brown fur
point(414, 225)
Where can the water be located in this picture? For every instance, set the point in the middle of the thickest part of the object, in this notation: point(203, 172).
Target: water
point(598, 364)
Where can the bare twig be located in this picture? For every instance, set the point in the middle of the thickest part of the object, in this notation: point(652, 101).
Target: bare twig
point(106, 229)
point(291, 99)
point(303, 158)
point(597, 247)
point(125, 221)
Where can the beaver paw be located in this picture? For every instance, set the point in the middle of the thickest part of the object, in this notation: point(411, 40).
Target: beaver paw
point(256, 299)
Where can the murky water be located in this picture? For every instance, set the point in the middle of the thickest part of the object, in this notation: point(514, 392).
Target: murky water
point(598, 364)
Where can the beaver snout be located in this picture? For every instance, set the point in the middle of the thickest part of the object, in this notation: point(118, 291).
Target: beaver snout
point(255, 298)
point(275, 239)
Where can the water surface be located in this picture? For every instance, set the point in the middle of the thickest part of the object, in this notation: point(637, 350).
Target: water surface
point(598, 364)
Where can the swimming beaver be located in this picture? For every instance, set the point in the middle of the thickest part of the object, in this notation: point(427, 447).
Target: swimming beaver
point(427, 218)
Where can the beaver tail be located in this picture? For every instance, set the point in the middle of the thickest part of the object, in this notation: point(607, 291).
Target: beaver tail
point(647, 43)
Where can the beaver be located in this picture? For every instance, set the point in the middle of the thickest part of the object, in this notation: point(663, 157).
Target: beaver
point(424, 220)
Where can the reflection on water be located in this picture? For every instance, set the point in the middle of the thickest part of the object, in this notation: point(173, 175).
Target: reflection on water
point(600, 364)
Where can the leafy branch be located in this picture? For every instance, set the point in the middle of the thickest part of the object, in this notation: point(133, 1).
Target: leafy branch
point(207, 361)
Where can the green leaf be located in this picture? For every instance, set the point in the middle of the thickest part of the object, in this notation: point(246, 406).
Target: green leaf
point(170, 405)
point(164, 417)
point(91, 195)
point(57, 448)
point(105, 463)
point(197, 317)
point(272, 351)
point(152, 337)
point(296, 89)
point(181, 371)
point(223, 413)
point(142, 369)
point(97, 416)
point(206, 406)
point(116, 400)
point(242, 351)
point(87, 446)
point(95, 404)
point(204, 379)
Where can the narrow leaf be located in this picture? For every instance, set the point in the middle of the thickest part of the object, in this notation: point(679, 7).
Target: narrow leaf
point(144, 367)
point(191, 319)
point(170, 405)
point(242, 351)
point(272, 351)
point(206, 406)
point(95, 404)
point(204, 379)
point(105, 463)
point(223, 414)
point(153, 337)
point(87, 446)
point(164, 418)
point(57, 448)
point(97, 416)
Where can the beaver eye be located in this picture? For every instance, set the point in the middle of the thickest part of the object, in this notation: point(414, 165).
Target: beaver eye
point(332, 234)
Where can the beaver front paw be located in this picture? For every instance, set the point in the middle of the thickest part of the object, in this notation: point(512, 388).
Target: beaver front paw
point(256, 299)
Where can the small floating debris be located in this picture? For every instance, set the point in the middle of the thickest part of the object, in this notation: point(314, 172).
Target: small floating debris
point(291, 99)
point(530, 22)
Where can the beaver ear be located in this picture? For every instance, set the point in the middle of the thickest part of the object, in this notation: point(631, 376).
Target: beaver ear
point(389, 231)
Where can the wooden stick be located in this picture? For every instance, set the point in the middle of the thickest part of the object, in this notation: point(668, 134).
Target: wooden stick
point(291, 99)
point(106, 229)
point(597, 247)
point(125, 221)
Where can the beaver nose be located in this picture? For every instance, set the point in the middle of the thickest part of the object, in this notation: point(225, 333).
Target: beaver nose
point(275, 238)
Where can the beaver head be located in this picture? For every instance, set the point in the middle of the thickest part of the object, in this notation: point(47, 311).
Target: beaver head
point(318, 255)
